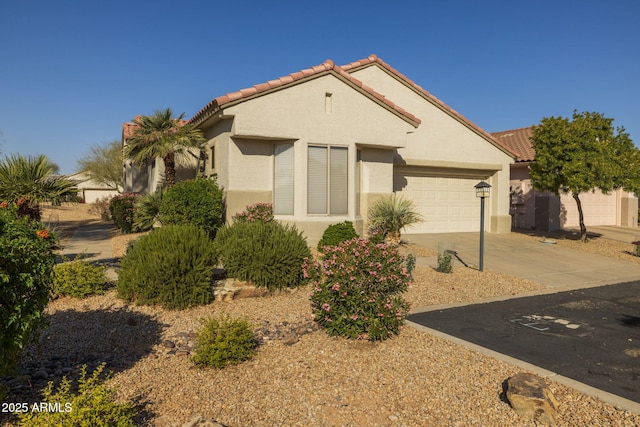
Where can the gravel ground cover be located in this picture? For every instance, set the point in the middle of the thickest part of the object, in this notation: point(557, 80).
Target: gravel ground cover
point(600, 246)
point(414, 379)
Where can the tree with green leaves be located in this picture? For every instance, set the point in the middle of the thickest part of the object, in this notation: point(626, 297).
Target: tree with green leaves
point(33, 178)
point(103, 164)
point(161, 135)
point(583, 154)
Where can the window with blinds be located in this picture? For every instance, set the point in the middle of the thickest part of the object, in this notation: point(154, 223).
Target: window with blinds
point(283, 180)
point(327, 178)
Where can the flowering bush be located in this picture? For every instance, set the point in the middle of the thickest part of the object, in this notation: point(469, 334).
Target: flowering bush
point(121, 208)
point(357, 289)
point(262, 212)
point(26, 263)
point(637, 247)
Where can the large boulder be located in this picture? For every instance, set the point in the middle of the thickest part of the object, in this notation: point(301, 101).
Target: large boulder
point(530, 397)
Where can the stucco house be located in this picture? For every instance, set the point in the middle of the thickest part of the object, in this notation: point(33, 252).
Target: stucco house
point(544, 211)
point(89, 190)
point(322, 143)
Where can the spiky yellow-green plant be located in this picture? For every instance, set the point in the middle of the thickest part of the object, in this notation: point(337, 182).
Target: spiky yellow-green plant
point(390, 214)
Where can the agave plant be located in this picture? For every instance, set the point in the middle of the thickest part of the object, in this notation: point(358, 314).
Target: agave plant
point(390, 214)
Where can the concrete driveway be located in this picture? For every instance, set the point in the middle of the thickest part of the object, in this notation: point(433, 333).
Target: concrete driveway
point(556, 267)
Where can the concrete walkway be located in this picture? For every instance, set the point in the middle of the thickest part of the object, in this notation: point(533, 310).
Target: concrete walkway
point(92, 243)
point(554, 266)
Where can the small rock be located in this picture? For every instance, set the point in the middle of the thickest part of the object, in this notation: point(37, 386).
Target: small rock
point(41, 375)
point(182, 352)
point(131, 321)
point(290, 339)
point(168, 344)
point(530, 397)
point(193, 422)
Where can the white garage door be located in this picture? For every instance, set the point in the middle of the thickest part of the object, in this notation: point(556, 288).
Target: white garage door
point(598, 209)
point(446, 204)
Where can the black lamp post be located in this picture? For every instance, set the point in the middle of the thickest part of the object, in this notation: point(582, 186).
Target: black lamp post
point(482, 191)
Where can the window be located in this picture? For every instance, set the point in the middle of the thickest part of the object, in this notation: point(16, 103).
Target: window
point(213, 157)
point(327, 181)
point(283, 179)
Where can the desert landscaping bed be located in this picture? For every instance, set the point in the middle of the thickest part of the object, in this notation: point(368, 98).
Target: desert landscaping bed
point(414, 379)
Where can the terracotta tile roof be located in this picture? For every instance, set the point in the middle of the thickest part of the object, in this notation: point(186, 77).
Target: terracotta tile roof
point(518, 141)
point(326, 67)
point(128, 128)
point(373, 59)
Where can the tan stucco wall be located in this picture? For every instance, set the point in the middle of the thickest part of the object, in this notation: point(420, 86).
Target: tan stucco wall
point(301, 111)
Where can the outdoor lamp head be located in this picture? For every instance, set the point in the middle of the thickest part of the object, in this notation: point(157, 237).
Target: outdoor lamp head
point(482, 189)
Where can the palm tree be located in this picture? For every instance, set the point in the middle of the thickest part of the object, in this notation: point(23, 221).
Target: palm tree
point(161, 135)
point(34, 179)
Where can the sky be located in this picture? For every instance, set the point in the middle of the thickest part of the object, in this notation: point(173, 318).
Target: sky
point(72, 72)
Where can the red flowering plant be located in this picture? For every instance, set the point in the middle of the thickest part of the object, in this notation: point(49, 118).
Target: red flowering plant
point(357, 289)
point(26, 260)
point(637, 247)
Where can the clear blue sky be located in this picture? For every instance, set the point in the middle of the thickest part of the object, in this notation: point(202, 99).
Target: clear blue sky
point(71, 72)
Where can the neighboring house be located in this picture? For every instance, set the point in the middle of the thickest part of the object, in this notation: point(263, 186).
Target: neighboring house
point(90, 191)
point(322, 143)
point(545, 211)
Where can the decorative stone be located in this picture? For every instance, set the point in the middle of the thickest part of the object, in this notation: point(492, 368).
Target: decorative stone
point(530, 397)
point(40, 375)
point(290, 339)
point(168, 344)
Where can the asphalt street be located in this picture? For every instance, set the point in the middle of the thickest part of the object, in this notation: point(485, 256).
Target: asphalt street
point(589, 335)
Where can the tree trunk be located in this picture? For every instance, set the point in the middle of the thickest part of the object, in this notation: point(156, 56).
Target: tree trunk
point(170, 170)
point(583, 229)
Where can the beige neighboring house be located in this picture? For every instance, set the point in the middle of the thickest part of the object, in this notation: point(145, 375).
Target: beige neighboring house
point(89, 190)
point(322, 143)
point(544, 211)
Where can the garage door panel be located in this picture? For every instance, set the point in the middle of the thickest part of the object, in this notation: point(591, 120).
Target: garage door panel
point(447, 204)
point(598, 209)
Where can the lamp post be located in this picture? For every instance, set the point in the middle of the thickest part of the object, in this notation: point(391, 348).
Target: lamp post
point(482, 191)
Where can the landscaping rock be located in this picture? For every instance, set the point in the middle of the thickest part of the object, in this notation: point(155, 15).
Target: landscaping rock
point(530, 397)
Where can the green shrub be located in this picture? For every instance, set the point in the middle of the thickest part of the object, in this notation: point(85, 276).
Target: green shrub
point(146, 210)
point(171, 266)
point(93, 405)
point(26, 263)
point(266, 253)
point(336, 233)
point(79, 279)
point(197, 202)
point(257, 212)
point(121, 210)
point(223, 342)
point(357, 290)
point(444, 263)
point(410, 264)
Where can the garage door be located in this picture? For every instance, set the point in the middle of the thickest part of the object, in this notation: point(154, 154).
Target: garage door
point(446, 204)
point(598, 209)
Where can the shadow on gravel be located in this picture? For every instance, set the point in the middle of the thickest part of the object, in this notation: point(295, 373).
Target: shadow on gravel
point(117, 337)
